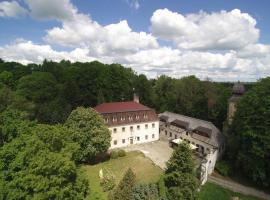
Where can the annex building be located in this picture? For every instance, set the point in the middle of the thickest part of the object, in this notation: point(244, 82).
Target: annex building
point(129, 122)
point(206, 141)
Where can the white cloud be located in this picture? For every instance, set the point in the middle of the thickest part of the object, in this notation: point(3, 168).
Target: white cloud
point(111, 39)
point(11, 9)
point(195, 36)
point(27, 52)
point(51, 9)
point(202, 31)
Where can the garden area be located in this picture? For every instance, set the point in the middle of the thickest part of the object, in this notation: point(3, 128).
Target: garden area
point(143, 167)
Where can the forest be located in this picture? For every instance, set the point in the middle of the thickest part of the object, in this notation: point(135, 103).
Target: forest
point(43, 117)
point(50, 91)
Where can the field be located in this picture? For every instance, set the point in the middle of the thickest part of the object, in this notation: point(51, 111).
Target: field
point(212, 191)
point(144, 168)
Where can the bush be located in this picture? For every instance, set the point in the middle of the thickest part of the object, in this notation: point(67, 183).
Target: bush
point(114, 154)
point(108, 181)
point(118, 153)
point(121, 153)
point(223, 168)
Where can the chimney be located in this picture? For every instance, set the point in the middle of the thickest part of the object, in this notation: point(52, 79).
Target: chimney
point(135, 97)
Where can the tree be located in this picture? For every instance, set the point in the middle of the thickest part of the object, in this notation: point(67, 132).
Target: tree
point(125, 187)
point(180, 175)
point(7, 78)
point(145, 192)
point(13, 123)
point(89, 130)
point(249, 134)
point(40, 165)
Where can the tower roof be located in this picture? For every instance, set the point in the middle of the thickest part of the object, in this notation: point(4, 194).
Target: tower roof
point(238, 88)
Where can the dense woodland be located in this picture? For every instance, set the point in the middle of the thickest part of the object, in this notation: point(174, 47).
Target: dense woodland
point(50, 91)
point(44, 126)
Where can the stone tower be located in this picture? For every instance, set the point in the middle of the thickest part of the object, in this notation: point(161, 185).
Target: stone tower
point(237, 92)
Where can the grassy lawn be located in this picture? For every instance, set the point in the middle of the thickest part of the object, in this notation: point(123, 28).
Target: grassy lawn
point(144, 168)
point(212, 191)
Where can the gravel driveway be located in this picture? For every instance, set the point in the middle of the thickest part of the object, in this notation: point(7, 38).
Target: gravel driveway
point(159, 151)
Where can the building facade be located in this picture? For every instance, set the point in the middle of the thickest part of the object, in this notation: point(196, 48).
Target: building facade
point(204, 135)
point(129, 122)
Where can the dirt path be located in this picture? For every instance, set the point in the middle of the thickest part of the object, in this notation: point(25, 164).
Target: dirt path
point(236, 187)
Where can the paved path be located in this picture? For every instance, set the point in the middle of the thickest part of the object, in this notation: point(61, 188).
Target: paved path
point(236, 187)
point(159, 151)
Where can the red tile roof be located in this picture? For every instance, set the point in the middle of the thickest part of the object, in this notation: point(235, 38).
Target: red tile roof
point(115, 107)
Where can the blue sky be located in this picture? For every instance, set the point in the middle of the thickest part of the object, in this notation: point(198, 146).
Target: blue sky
point(225, 40)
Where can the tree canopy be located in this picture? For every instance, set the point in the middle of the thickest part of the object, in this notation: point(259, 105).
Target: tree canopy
point(39, 165)
point(180, 176)
point(249, 138)
point(89, 131)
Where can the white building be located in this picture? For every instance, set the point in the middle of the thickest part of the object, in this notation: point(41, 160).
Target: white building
point(129, 122)
point(204, 135)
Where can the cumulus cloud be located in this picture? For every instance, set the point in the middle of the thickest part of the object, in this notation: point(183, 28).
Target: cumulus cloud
point(11, 9)
point(51, 9)
point(195, 36)
point(27, 52)
point(111, 39)
point(206, 31)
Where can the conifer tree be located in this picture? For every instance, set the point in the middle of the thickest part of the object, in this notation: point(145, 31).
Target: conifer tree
point(125, 188)
point(180, 176)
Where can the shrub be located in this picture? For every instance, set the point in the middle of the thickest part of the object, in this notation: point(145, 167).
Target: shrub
point(223, 168)
point(121, 153)
point(118, 153)
point(114, 154)
point(108, 181)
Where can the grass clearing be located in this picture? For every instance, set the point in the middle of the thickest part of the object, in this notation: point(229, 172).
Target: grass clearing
point(143, 167)
point(211, 191)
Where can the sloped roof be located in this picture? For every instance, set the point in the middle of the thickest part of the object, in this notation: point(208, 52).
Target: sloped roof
point(116, 107)
point(194, 124)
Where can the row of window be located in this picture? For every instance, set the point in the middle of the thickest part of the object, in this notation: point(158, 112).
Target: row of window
point(123, 118)
point(131, 128)
point(137, 138)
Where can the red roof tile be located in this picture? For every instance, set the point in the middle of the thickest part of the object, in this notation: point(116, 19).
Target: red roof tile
point(115, 107)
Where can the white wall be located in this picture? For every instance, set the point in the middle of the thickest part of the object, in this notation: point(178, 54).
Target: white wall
point(212, 153)
point(128, 135)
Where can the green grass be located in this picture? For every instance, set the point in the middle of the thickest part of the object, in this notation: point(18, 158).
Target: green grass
point(144, 168)
point(212, 191)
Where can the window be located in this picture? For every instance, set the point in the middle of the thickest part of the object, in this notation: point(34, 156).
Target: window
point(130, 118)
point(138, 138)
point(186, 133)
point(131, 128)
point(166, 133)
point(170, 134)
point(123, 129)
point(106, 120)
point(122, 118)
point(153, 135)
point(146, 137)
point(146, 126)
point(175, 136)
point(153, 125)
point(114, 119)
point(115, 130)
point(138, 127)
point(115, 142)
point(123, 141)
point(145, 116)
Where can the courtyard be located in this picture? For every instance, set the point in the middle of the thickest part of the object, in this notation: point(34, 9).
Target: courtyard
point(159, 151)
